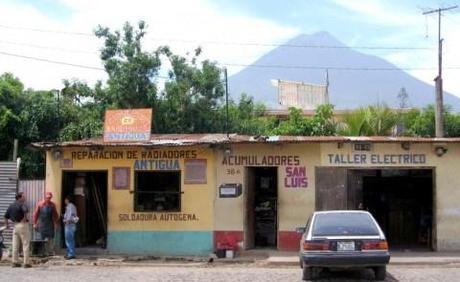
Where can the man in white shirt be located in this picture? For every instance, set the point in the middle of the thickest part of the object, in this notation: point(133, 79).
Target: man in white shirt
point(70, 220)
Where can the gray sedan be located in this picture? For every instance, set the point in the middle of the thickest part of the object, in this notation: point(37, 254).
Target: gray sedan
point(342, 240)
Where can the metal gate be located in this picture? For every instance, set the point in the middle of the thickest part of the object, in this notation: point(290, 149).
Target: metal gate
point(35, 192)
point(8, 190)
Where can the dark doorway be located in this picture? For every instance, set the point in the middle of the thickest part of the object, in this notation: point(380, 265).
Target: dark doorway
point(401, 200)
point(261, 224)
point(89, 191)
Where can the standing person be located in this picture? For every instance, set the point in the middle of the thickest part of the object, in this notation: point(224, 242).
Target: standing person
point(17, 213)
point(46, 218)
point(70, 220)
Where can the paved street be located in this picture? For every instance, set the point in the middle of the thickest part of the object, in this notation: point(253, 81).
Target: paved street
point(213, 273)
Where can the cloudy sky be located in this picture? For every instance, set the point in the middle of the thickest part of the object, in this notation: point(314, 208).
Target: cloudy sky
point(61, 30)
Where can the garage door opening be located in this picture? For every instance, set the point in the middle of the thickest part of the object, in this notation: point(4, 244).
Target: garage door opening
point(401, 200)
point(261, 200)
point(89, 191)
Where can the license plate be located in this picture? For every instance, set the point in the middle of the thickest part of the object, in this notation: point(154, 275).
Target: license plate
point(345, 246)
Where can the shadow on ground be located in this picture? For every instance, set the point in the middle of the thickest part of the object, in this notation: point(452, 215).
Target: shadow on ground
point(352, 275)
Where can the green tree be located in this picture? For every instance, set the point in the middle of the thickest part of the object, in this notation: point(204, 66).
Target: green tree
point(376, 120)
point(321, 124)
point(131, 70)
point(11, 105)
point(192, 97)
point(247, 117)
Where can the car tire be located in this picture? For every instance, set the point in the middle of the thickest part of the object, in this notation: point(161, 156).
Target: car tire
point(308, 273)
point(380, 273)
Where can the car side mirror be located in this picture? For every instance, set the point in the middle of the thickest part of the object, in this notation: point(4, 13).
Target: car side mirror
point(300, 230)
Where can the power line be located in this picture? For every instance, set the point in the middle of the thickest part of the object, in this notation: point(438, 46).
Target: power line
point(60, 62)
point(46, 30)
point(50, 61)
point(48, 47)
point(292, 45)
point(231, 64)
point(233, 43)
point(332, 68)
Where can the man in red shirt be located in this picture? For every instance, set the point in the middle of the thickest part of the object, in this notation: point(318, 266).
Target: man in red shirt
point(46, 218)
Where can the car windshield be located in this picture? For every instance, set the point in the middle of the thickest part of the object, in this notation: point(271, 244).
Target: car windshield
point(343, 224)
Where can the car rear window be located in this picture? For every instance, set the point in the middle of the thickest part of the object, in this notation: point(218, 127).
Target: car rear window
point(343, 224)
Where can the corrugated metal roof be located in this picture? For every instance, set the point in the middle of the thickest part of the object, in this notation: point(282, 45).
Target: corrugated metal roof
point(176, 140)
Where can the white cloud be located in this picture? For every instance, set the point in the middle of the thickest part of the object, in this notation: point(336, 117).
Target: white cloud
point(195, 20)
point(375, 11)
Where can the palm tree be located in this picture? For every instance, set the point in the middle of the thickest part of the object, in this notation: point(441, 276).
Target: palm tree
point(376, 120)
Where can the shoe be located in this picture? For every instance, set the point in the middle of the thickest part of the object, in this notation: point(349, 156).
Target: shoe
point(69, 257)
point(27, 265)
point(16, 265)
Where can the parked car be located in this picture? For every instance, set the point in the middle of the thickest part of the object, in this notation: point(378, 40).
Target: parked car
point(342, 239)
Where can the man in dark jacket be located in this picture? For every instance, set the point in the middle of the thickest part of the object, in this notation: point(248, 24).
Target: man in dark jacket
point(17, 213)
point(45, 219)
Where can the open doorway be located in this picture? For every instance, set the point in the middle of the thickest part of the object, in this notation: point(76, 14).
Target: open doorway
point(89, 191)
point(261, 207)
point(401, 200)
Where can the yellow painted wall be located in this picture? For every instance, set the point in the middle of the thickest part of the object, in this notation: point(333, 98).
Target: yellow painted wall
point(447, 182)
point(294, 204)
point(196, 199)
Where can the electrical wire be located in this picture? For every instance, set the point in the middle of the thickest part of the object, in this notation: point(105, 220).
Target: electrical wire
point(256, 44)
point(235, 65)
point(60, 62)
point(47, 47)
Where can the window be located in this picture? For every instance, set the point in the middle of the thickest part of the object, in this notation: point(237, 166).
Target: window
point(340, 224)
point(157, 191)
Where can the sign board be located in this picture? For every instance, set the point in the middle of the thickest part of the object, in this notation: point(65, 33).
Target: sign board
point(127, 125)
point(362, 147)
point(230, 190)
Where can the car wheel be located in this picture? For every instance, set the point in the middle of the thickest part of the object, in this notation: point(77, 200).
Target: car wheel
point(308, 273)
point(380, 273)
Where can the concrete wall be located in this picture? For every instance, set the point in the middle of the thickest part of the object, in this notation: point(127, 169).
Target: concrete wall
point(221, 219)
point(295, 204)
point(188, 232)
point(447, 182)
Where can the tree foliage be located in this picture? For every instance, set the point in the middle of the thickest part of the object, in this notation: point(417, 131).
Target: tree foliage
point(375, 120)
point(321, 124)
point(130, 68)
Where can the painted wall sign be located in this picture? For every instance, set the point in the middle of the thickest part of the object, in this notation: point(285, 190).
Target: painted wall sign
point(133, 154)
point(379, 159)
point(248, 160)
point(157, 217)
point(296, 177)
point(156, 165)
point(127, 125)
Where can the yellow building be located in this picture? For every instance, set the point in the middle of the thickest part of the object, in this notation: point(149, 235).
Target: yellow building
point(191, 194)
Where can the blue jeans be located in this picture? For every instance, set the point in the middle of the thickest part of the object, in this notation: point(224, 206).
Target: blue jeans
point(69, 233)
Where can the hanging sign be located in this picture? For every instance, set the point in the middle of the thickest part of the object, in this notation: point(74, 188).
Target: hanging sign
point(127, 125)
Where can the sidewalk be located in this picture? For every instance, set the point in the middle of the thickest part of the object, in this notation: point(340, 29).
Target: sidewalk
point(258, 258)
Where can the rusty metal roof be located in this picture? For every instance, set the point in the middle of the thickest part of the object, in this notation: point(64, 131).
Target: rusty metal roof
point(176, 140)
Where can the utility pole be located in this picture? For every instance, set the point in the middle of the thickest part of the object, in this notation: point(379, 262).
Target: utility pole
point(226, 101)
point(326, 96)
point(439, 117)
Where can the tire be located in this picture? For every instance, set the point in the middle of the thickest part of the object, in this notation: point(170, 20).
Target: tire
point(380, 273)
point(1, 252)
point(308, 273)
